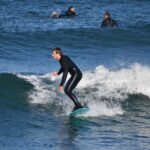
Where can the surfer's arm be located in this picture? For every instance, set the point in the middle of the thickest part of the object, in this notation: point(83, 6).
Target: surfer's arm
point(65, 68)
point(60, 71)
point(64, 77)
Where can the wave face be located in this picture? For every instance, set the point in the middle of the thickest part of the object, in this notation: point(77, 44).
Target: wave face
point(13, 91)
point(106, 92)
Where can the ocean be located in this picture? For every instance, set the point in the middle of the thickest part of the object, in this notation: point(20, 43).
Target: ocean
point(115, 84)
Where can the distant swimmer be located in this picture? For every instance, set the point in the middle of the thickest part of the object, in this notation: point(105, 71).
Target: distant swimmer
point(108, 21)
point(67, 66)
point(71, 12)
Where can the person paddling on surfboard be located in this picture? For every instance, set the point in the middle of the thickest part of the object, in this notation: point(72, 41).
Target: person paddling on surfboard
point(71, 12)
point(67, 66)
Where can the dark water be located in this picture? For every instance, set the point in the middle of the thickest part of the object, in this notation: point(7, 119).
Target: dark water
point(115, 85)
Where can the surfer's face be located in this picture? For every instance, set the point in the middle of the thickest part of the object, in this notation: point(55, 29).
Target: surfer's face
point(72, 9)
point(106, 17)
point(55, 55)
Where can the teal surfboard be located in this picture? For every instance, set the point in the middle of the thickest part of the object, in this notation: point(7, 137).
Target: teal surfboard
point(79, 112)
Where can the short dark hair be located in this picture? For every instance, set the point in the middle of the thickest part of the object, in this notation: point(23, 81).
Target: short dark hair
point(57, 50)
point(70, 7)
point(108, 13)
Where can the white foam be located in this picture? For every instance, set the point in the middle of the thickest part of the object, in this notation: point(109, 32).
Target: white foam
point(102, 89)
point(42, 92)
point(135, 79)
point(101, 109)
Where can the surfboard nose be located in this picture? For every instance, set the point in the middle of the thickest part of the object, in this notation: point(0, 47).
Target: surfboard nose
point(79, 112)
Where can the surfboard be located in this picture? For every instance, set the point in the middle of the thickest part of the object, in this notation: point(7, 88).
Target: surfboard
point(56, 13)
point(79, 112)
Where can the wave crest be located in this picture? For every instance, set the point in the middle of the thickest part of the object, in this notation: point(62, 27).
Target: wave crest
point(103, 90)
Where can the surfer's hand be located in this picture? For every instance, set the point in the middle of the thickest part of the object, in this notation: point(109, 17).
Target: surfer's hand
point(55, 74)
point(61, 89)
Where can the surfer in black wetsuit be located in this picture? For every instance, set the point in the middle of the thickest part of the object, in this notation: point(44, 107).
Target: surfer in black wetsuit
point(69, 13)
point(67, 66)
point(108, 21)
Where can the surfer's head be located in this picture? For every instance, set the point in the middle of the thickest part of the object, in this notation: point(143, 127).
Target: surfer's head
point(71, 8)
point(107, 16)
point(56, 53)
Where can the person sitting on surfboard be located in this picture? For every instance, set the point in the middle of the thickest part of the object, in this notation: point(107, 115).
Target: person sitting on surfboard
point(108, 21)
point(67, 66)
point(69, 13)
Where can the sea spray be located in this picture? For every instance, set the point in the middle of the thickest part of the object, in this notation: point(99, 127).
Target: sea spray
point(102, 90)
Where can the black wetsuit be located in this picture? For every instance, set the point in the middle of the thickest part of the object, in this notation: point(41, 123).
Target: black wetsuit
point(70, 13)
point(109, 23)
point(67, 14)
point(68, 66)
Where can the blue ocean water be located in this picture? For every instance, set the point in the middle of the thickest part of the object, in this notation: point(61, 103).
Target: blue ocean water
point(115, 84)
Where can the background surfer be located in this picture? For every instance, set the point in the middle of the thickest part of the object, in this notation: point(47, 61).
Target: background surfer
point(71, 12)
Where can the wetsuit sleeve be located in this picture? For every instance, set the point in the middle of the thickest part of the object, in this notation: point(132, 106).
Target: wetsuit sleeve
point(69, 13)
point(60, 71)
point(65, 73)
point(74, 14)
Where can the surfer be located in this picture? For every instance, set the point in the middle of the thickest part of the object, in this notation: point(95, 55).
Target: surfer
point(71, 12)
point(108, 21)
point(67, 66)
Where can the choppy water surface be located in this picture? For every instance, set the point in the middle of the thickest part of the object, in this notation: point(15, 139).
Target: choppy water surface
point(115, 85)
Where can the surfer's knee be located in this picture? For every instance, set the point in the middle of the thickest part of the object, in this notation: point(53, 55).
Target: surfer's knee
point(66, 90)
